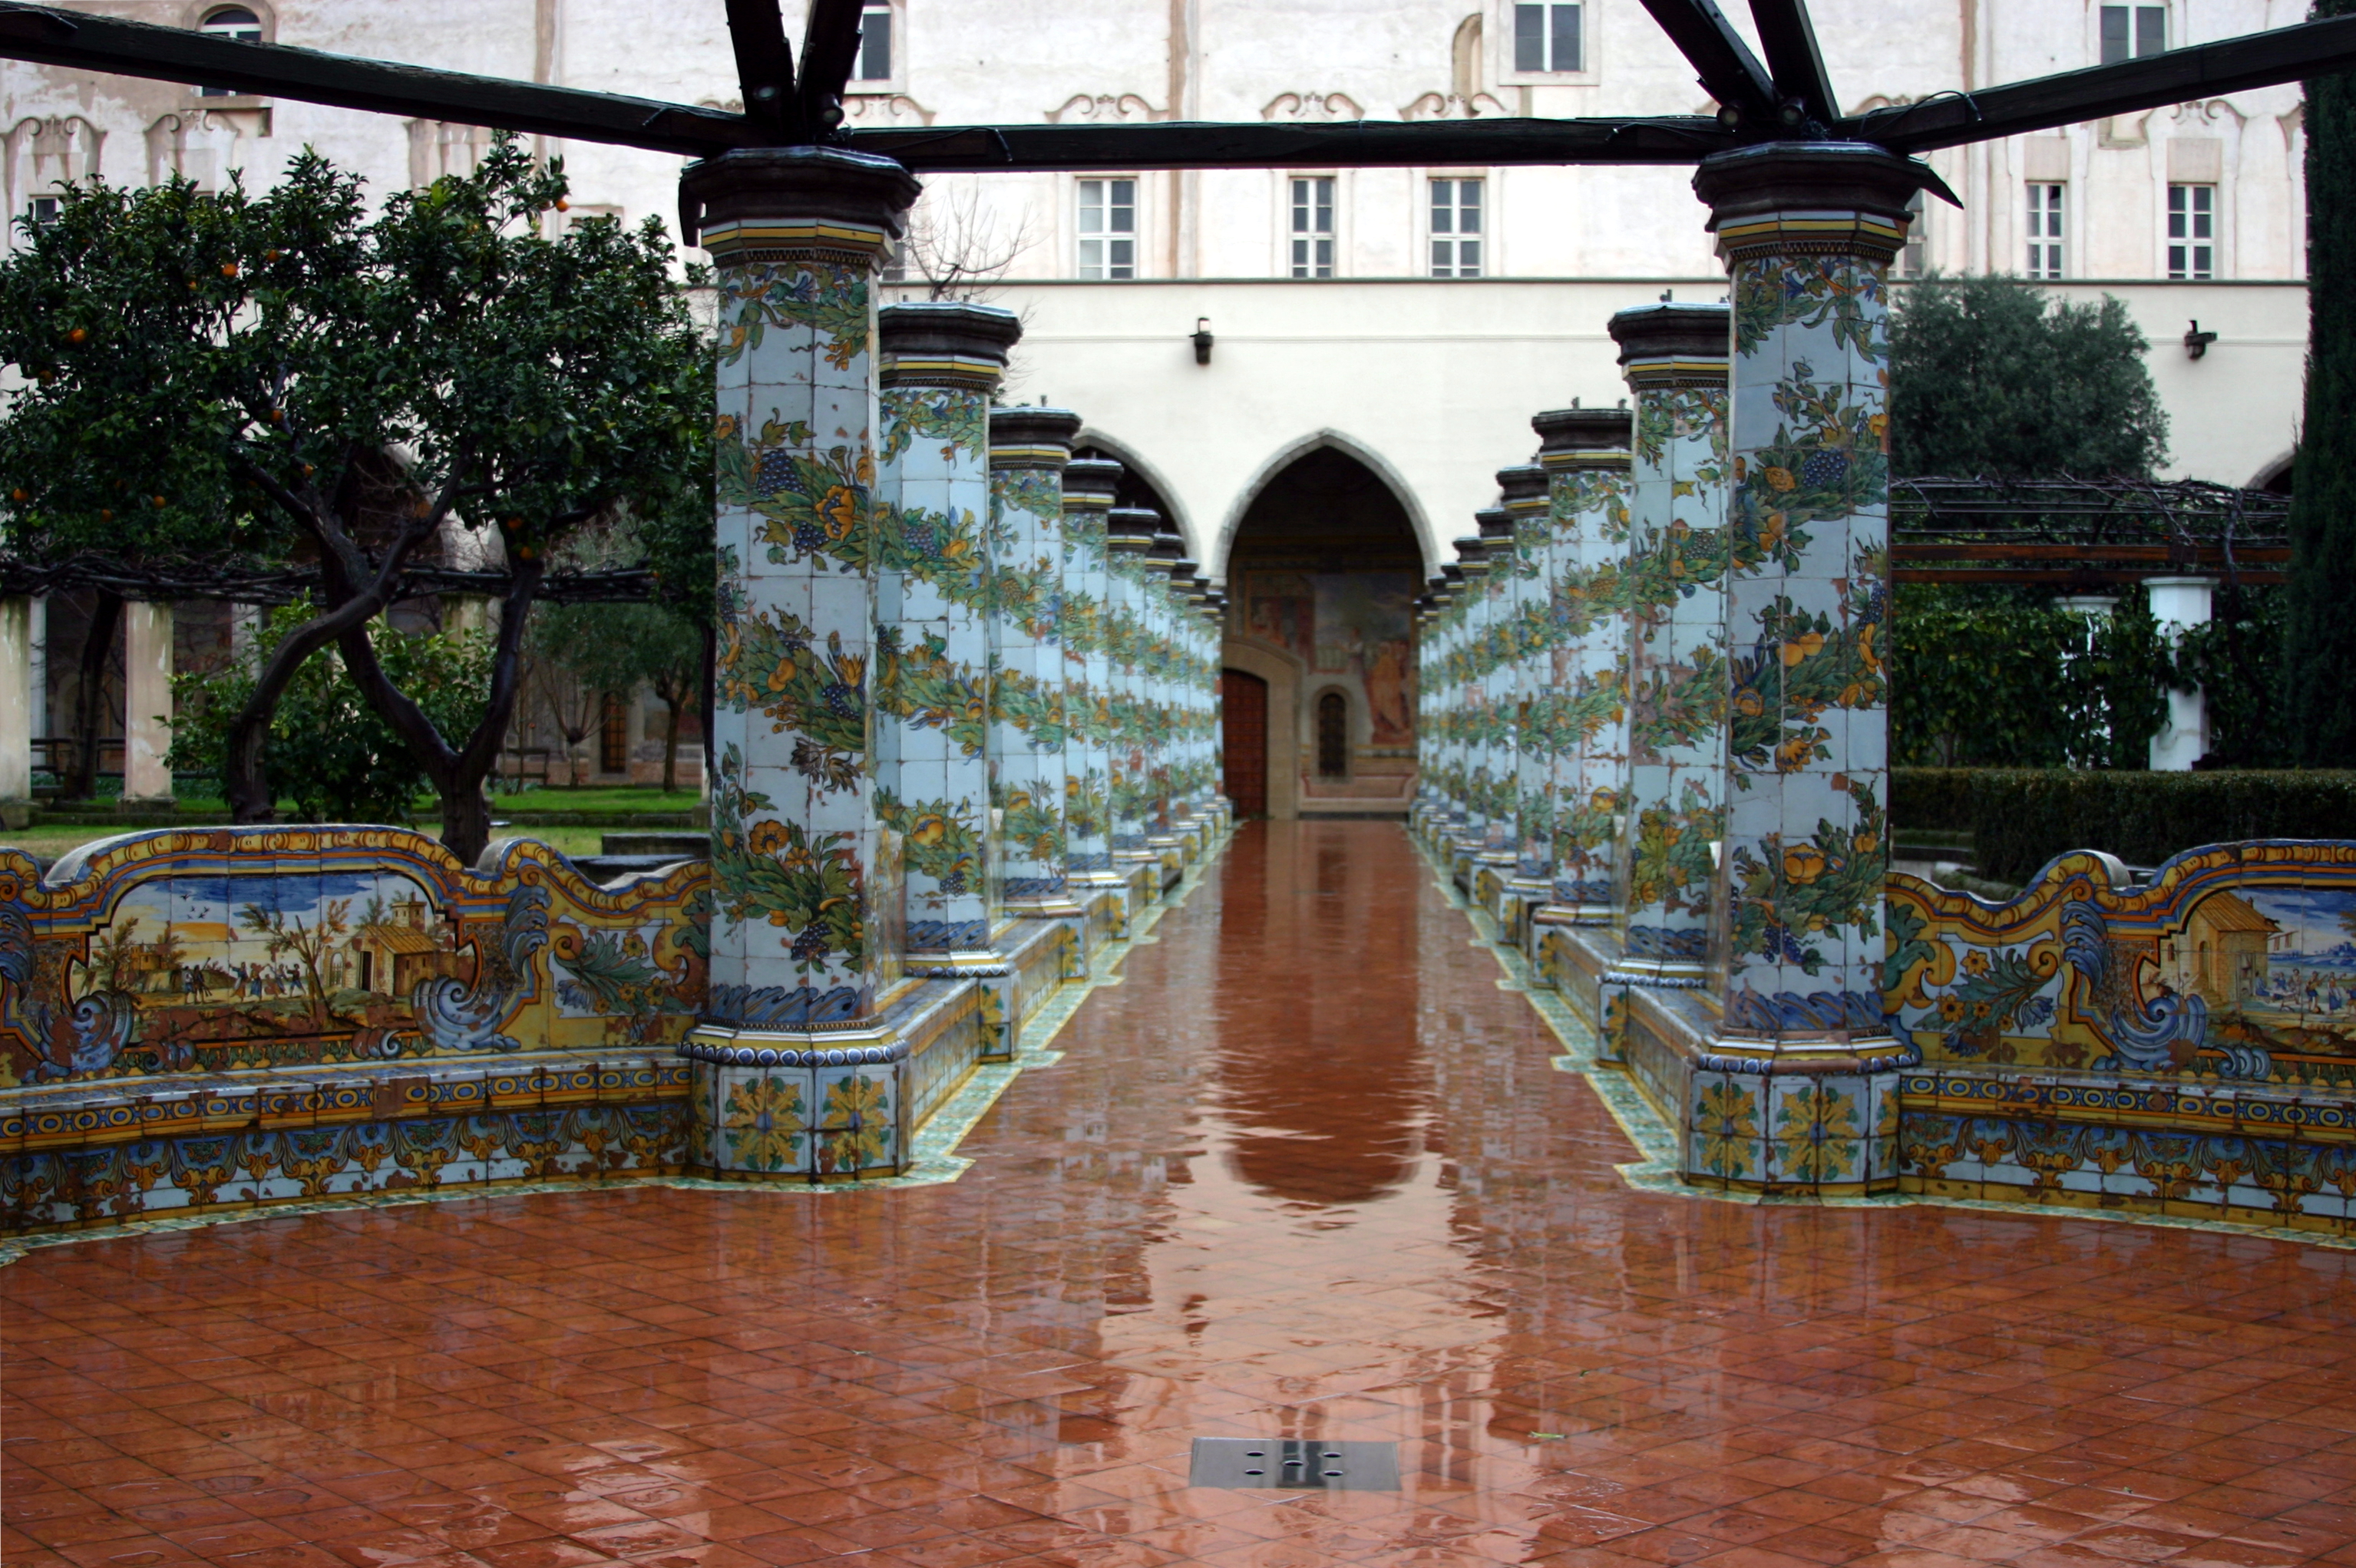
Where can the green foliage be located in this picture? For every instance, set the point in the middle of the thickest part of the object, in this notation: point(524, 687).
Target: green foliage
point(1938, 798)
point(328, 751)
point(1995, 678)
point(2237, 661)
point(2319, 701)
point(619, 647)
point(2023, 818)
point(1990, 376)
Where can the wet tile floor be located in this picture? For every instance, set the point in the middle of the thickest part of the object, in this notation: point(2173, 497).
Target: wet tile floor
point(1306, 1174)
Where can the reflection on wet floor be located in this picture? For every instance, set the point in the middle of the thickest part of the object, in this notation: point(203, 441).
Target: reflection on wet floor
point(1307, 1174)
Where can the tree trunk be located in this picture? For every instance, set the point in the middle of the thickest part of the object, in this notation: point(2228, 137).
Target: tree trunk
point(245, 780)
point(2319, 700)
point(457, 773)
point(97, 646)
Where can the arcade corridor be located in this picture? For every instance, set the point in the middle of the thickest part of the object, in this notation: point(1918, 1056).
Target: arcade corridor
point(1307, 1171)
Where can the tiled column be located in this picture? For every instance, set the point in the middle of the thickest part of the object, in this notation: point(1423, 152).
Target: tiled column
point(1522, 603)
point(1186, 809)
point(1029, 730)
point(1493, 664)
point(797, 1072)
point(1130, 535)
point(1088, 487)
point(941, 363)
point(1444, 709)
point(1427, 710)
point(1584, 669)
point(1209, 640)
point(1462, 832)
point(146, 705)
point(1159, 656)
point(1673, 593)
point(1799, 1091)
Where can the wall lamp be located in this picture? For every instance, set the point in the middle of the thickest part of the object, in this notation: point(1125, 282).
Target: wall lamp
point(1202, 339)
point(2197, 342)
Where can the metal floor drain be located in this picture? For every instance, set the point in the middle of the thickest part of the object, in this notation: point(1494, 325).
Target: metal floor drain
point(1294, 1466)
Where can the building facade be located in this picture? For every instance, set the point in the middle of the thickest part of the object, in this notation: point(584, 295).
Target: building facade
point(1221, 327)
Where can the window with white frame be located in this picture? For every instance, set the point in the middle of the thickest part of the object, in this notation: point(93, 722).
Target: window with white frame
point(1456, 228)
point(2045, 229)
point(43, 210)
point(875, 41)
point(234, 22)
point(2131, 32)
point(1108, 228)
point(2191, 231)
point(1312, 226)
point(1546, 38)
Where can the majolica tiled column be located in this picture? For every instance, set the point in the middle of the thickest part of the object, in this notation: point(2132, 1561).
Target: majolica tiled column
point(1130, 535)
point(1529, 746)
point(1584, 671)
point(941, 363)
point(1807, 231)
point(1160, 657)
point(1089, 483)
point(796, 1074)
point(1493, 664)
point(1460, 832)
point(1674, 599)
point(1028, 726)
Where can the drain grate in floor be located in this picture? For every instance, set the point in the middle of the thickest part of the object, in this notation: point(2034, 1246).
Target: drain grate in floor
point(1293, 1465)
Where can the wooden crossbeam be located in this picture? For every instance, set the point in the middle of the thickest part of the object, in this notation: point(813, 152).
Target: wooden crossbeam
point(2200, 70)
point(1722, 62)
point(84, 40)
point(1365, 143)
point(830, 50)
point(1794, 59)
point(764, 68)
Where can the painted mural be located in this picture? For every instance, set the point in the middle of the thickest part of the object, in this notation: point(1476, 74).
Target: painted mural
point(261, 948)
point(1355, 625)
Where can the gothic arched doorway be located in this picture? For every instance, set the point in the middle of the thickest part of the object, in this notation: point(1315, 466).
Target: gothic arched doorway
point(1324, 571)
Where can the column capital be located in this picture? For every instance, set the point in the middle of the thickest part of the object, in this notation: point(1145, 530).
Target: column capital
point(1572, 439)
point(758, 204)
point(1091, 484)
point(1026, 436)
point(1673, 344)
point(1497, 523)
point(1525, 489)
point(1809, 197)
point(945, 343)
point(1132, 529)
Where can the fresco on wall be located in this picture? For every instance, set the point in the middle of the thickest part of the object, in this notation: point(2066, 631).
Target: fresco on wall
point(1355, 625)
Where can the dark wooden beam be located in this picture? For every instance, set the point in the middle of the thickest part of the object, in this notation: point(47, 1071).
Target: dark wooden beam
point(82, 40)
point(2200, 70)
point(830, 50)
point(764, 66)
point(1367, 144)
point(1723, 63)
point(1790, 40)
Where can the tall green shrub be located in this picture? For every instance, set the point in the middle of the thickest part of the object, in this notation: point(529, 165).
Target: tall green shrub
point(2319, 633)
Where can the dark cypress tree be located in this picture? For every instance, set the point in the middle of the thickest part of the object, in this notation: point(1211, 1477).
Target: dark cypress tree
point(2319, 651)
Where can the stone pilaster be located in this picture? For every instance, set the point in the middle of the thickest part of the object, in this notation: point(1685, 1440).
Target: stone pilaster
point(1673, 791)
point(1798, 1090)
point(1089, 485)
point(941, 363)
point(1029, 726)
point(146, 706)
point(798, 1072)
point(1584, 665)
point(1160, 657)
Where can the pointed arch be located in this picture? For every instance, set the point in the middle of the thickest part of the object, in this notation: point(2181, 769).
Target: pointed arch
point(1215, 561)
point(1126, 456)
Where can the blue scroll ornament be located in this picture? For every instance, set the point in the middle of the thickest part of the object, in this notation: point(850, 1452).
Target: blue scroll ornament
point(455, 1017)
point(2143, 1033)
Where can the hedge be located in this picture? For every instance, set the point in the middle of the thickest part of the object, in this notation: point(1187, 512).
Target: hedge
point(2022, 817)
point(1938, 798)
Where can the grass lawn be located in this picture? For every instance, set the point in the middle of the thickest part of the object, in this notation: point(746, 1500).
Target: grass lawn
point(623, 797)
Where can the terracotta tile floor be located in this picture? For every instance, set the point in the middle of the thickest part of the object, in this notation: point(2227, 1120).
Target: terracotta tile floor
point(1307, 1173)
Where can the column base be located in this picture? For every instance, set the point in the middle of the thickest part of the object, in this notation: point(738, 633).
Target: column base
point(1104, 895)
point(16, 814)
point(833, 1104)
point(1521, 898)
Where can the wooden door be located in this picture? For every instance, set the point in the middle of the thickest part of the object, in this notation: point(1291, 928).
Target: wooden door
point(1243, 720)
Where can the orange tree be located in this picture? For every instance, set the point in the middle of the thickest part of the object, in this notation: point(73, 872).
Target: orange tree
point(225, 390)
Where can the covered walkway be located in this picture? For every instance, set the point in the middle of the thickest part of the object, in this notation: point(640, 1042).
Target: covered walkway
point(1307, 1172)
